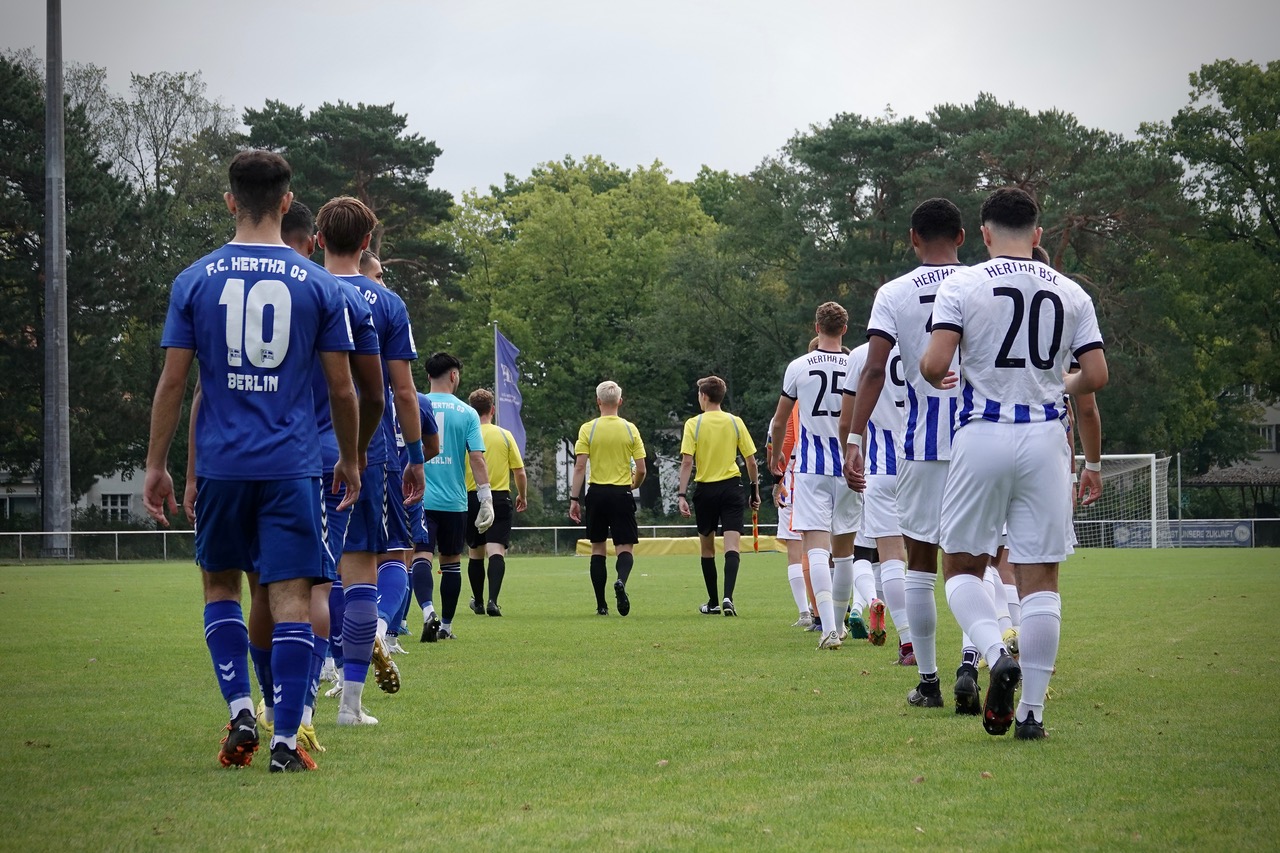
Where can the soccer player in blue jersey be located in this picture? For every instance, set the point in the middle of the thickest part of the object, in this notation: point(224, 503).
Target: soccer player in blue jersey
point(825, 512)
point(256, 316)
point(900, 315)
point(1016, 325)
point(445, 500)
point(346, 225)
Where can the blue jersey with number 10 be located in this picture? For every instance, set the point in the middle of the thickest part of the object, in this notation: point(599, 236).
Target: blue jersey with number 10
point(256, 316)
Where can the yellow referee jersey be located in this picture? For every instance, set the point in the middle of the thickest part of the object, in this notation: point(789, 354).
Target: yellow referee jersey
point(610, 444)
point(714, 440)
point(501, 456)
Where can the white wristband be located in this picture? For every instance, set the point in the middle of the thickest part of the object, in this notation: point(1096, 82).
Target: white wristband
point(855, 439)
point(484, 493)
point(1093, 466)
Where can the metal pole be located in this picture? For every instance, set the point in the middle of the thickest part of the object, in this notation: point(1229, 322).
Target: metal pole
point(1179, 498)
point(55, 462)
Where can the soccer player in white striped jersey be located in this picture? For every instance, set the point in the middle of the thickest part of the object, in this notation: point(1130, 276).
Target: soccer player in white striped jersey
point(1016, 325)
point(880, 532)
point(901, 315)
point(823, 510)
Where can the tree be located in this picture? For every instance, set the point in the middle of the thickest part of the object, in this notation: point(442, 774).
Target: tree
point(363, 150)
point(1229, 137)
point(108, 420)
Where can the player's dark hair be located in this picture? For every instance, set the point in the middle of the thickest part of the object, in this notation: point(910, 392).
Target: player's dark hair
point(344, 222)
point(481, 400)
point(259, 179)
point(936, 219)
point(1039, 254)
point(367, 258)
point(714, 388)
point(298, 224)
point(440, 363)
point(1011, 208)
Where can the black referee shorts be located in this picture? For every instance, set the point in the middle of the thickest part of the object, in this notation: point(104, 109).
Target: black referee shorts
point(500, 532)
point(719, 505)
point(611, 513)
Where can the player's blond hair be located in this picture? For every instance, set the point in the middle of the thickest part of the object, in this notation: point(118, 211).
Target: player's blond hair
point(831, 318)
point(609, 392)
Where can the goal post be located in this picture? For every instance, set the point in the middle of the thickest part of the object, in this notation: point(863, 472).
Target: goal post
point(1133, 511)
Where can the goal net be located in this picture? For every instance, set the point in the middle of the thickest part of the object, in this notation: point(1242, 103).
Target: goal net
point(1133, 511)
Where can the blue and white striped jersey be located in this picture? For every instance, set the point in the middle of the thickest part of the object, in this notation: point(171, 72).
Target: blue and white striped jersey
point(884, 430)
point(901, 313)
point(816, 381)
point(1021, 323)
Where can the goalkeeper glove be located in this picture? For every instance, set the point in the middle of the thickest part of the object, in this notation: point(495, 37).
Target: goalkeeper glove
point(484, 518)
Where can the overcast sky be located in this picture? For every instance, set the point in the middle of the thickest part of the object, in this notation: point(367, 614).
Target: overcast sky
point(502, 86)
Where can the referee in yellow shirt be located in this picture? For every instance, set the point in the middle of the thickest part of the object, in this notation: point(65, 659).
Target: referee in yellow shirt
point(616, 453)
point(711, 443)
point(502, 457)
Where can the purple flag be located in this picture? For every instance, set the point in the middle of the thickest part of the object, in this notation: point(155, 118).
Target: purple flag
point(506, 387)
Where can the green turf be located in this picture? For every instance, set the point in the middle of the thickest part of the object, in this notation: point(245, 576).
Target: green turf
point(553, 728)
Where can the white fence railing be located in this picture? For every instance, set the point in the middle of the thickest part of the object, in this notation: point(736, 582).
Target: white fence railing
point(118, 545)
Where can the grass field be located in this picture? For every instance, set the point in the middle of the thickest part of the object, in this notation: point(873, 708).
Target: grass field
point(553, 728)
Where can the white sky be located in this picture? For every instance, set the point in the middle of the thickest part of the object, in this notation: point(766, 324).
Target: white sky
point(502, 85)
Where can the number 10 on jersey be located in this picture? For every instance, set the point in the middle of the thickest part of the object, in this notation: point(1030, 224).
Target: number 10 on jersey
point(246, 320)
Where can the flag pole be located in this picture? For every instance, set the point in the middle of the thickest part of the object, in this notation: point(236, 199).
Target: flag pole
point(495, 371)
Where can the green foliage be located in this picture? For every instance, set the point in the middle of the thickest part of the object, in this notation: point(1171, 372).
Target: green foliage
point(108, 418)
point(363, 150)
point(697, 732)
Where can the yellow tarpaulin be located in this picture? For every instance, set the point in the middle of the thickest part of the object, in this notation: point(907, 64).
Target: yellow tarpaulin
point(683, 546)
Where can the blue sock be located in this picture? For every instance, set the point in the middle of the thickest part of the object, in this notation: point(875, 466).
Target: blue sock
point(291, 649)
point(337, 606)
point(228, 639)
point(359, 628)
point(423, 583)
point(405, 600)
point(261, 659)
point(318, 654)
point(450, 590)
point(393, 580)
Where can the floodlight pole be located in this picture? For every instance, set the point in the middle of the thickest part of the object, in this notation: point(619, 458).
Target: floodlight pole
point(55, 465)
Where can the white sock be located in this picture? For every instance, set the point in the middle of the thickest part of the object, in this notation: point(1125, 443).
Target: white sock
point(269, 714)
point(976, 614)
point(352, 693)
point(864, 582)
point(795, 577)
point(821, 580)
point(428, 610)
point(995, 589)
point(893, 577)
point(244, 703)
point(291, 741)
point(922, 610)
point(842, 581)
point(1038, 649)
point(1014, 603)
point(876, 574)
point(382, 628)
point(308, 714)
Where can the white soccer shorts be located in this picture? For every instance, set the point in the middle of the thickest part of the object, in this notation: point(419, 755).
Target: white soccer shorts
point(1013, 472)
point(880, 507)
point(785, 533)
point(820, 502)
point(920, 486)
